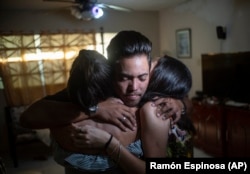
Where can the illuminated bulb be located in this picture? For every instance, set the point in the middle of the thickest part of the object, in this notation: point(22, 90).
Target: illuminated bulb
point(97, 12)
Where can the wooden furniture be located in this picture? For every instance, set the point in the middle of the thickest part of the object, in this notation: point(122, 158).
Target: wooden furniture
point(238, 132)
point(17, 135)
point(2, 167)
point(222, 131)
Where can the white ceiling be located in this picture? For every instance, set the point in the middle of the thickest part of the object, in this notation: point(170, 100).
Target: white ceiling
point(136, 5)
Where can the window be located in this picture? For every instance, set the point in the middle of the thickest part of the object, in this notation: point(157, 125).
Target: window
point(35, 65)
point(102, 47)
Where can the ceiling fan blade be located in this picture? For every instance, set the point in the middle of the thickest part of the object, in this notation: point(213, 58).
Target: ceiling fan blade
point(67, 1)
point(114, 7)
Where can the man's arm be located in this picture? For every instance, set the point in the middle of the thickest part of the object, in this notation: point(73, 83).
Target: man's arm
point(51, 111)
point(57, 110)
point(48, 113)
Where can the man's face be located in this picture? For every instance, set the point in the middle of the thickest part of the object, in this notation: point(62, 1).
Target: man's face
point(131, 79)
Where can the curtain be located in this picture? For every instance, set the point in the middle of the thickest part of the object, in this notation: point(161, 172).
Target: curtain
point(35, 65)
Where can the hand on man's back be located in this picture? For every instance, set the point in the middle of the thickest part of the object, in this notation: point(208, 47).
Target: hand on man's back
point(169, 107)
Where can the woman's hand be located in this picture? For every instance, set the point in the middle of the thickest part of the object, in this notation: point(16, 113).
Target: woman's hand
point(114, 111)
point(63, 136)
point(89, 137)
point(169, 107)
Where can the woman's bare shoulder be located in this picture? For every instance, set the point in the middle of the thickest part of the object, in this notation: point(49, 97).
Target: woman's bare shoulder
point(147, 107)
point(148, 114)
point(148, 111)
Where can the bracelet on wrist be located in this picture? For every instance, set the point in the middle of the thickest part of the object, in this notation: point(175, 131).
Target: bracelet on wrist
point(108, 142)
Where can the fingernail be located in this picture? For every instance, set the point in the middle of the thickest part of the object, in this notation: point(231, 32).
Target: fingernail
point(152, 104)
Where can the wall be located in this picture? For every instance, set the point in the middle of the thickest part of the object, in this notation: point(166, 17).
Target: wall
point(202, 16)
point(113, 21)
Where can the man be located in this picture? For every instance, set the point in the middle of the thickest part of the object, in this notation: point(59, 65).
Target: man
point(129, 54)
point(169, 77)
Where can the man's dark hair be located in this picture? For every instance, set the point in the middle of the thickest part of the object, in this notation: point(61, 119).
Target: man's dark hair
point(89, 80)
point(126, 44)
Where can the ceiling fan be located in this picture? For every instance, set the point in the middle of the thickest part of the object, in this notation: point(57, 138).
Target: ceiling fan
point(89, 9)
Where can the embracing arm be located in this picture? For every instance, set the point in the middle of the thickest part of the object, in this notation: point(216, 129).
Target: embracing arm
point(92, 137)
point(125, 159)
point(154, 132)
point(49, 113)
point(57, 110)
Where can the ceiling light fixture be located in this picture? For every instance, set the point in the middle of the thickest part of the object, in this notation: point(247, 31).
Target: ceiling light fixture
point(87, 14)
point(97, 12)
point(89, 9)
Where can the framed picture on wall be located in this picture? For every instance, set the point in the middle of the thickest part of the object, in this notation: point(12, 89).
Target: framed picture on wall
point(183, 43)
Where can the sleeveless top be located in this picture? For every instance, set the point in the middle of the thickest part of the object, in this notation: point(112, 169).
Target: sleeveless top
point(91, 163)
